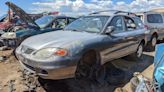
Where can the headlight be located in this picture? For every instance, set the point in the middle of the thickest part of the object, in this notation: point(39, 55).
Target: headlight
point(9, 35)
point(49, 52)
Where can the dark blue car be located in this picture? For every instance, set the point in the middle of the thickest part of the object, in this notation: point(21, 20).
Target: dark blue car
point(44, 24)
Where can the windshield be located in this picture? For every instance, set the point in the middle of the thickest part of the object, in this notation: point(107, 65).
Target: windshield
point(92, 24)
point(44, 21)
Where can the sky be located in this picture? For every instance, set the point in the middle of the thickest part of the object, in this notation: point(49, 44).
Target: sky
point(82, 6)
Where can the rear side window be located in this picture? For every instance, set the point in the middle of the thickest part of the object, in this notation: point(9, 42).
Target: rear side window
point(138, 22)
point(154, 18)
point(129, 23)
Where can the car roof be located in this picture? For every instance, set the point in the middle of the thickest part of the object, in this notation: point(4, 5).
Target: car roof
point(148, 12)
point(131, 16)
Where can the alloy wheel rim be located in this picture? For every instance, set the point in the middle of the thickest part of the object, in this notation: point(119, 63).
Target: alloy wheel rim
point(154, 41)
point(140, 51)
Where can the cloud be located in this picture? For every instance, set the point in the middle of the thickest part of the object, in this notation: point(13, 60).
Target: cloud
point(80, 7)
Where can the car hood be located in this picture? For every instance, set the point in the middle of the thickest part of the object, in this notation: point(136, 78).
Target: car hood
point(58, 39)
point(22, 14)
point(21, 33)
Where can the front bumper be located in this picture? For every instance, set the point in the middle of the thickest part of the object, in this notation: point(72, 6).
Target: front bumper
point(49, 70)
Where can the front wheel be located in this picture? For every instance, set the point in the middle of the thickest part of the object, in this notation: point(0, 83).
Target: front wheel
point(152, 43)
point(87, 66)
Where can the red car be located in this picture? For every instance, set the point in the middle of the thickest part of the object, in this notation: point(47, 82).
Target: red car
point(5, 22)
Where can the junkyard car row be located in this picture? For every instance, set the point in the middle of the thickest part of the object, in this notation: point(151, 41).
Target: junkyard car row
point(59, 47)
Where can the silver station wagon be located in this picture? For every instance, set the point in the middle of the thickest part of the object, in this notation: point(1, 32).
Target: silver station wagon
point(83, 45)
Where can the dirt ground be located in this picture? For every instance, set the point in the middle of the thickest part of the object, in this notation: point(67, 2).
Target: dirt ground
point(116, 76)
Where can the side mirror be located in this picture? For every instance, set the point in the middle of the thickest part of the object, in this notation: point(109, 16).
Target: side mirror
point(109, 29)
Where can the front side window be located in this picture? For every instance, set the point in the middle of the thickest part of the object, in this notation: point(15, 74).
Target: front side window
point(138, 21)
point(93, 24)
point(154, 18)
point(117, 23)
point(44, 21)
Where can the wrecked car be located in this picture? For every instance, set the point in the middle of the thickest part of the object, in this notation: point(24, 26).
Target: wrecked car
point(5, 23)
point(83, 46)
point(44, 24)
point(1, 20)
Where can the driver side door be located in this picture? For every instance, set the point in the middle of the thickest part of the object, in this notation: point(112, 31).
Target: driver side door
point(115, 43)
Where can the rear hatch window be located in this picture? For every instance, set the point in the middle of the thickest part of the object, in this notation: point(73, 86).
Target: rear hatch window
point(154, 18)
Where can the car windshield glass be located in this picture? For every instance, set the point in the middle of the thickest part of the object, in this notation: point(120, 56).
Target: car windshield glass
point(93, 24)
point(44, 21)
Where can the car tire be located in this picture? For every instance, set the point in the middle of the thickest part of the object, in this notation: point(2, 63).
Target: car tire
point(152, 43)
point(137, 55)
point(139, 51)
point(87, 66)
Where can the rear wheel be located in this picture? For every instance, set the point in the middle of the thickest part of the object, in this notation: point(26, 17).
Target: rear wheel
point(152, 43)
point(139, 51)
point(138, 54)
point(87, 66)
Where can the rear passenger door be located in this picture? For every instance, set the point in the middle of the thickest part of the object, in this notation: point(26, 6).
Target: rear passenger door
point(134, 34)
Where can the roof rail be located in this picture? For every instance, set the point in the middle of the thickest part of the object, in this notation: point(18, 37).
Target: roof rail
point(103, 11)
point(127, 13)
point(114, 12)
